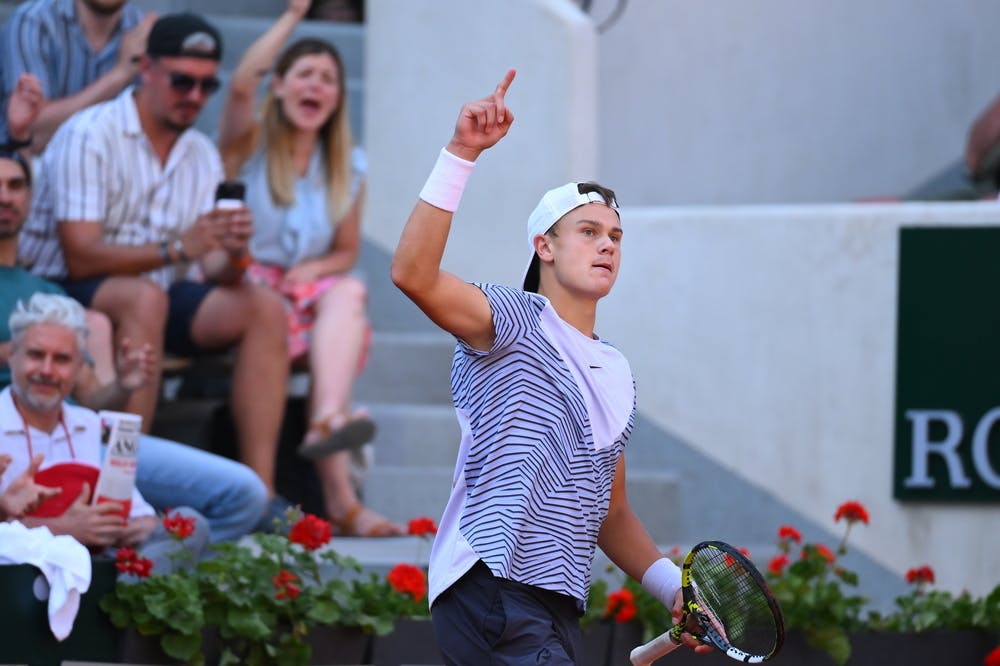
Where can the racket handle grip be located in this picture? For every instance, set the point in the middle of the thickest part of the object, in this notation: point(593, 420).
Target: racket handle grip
point(653, 650)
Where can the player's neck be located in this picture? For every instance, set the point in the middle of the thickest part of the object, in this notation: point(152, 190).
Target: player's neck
point(578, 312)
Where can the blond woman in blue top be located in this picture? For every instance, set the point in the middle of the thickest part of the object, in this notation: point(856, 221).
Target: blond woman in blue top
point(305, 185)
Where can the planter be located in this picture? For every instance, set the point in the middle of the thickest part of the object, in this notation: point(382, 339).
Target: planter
point(883, 648)
point(330, 646)
point(25, 636)
point(339, 645)
point(868, 648)
point(596, 644)
point(412, 641)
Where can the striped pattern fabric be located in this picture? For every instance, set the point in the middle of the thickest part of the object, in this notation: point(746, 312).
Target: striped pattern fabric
point(43, 37)
point(100, 167)
point(537, 487)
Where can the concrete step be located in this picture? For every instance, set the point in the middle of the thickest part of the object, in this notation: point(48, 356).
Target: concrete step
point(407, 368)
point(415, 435)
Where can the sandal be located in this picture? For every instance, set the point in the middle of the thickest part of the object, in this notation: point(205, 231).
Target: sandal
point(352, 435)
point(347, 527)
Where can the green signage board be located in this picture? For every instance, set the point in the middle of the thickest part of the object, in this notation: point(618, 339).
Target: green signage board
point(947, 418)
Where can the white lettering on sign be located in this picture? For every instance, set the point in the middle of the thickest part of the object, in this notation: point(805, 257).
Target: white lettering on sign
point(947, 448)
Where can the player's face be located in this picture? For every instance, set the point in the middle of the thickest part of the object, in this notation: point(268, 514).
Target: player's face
point(310, 91)
point(44, 366)
point(179, 89)
point(15, 198)
point(586, 249)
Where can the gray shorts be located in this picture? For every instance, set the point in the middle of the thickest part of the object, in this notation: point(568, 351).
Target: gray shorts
point(483, 620)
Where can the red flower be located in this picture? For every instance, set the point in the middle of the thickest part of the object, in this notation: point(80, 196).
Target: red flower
point(852, 512)
point(920, 575)
point(777, 564)
point(142, 567)
point(310, 532)
point(284, 585)
point(422, 527)
point(621, 605)
point(789, 533)
point(820, 550)
point(993, 658)
point(180, 527)
point(410, 580)
point(128, 561)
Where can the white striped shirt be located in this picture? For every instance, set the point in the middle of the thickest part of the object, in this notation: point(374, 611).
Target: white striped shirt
point(44, 38)
point(545, 415)
point(100, 167)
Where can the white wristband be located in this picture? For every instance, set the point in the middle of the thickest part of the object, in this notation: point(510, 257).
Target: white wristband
point(662, 580)
point(444, 186)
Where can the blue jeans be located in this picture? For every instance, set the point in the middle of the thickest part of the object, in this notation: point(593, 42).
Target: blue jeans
point(227, 493)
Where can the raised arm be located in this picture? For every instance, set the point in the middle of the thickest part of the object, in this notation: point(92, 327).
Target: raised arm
point(55, 110)
point(253, 67)
point(452, 303)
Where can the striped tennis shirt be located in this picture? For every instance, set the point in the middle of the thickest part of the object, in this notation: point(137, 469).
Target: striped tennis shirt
point(44, 38)
point(545, 415)
point(101, 167)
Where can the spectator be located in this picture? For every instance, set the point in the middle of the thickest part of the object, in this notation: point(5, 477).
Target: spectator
point(227, 493)
point(132, 184)
point(48, 335)
point(305, 188)
point(82, 52)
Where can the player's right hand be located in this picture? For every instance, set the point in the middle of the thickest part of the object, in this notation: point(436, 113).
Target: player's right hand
point(481, 124)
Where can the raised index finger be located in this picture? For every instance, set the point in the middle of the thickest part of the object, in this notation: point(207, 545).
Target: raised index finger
point(505, 83)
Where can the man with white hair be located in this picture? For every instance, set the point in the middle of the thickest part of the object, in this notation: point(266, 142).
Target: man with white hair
point(49, 333)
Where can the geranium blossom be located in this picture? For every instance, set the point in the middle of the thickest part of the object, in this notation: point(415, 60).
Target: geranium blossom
point(621, 605)
point(852, 512)
point(777, 564)
point(311, 532)
point(920, 575)
point(410, 580)
point(789, 533)
point(422, 527)
point(821, 550)
point(993, 658)
point(128, 561)
point(285, 585)
point(178, 526)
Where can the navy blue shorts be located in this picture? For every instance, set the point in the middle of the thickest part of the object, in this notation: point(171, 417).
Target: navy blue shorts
point(482, 619)
point(184, 299)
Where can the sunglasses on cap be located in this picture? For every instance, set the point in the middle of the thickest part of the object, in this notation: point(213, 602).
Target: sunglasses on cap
point(185, 83)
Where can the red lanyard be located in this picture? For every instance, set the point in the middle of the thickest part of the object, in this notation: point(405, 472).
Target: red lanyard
point(27, 432)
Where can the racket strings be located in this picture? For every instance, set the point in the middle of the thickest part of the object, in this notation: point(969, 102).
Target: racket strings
point(733, 603)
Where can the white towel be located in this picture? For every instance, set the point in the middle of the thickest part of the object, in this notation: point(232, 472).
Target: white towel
point(63, 560)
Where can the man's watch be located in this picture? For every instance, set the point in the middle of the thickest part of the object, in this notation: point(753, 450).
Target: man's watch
point(178, 248)
point(164, 249)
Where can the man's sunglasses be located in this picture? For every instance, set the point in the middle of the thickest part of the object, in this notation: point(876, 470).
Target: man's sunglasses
point(185, 83)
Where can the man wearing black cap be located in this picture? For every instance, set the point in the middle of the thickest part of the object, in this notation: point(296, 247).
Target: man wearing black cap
point(134, 232)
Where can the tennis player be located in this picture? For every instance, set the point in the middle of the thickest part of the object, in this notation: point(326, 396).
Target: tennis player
point(545, 407)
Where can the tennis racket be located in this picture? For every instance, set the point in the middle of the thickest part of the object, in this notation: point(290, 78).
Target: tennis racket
point(727, 605)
